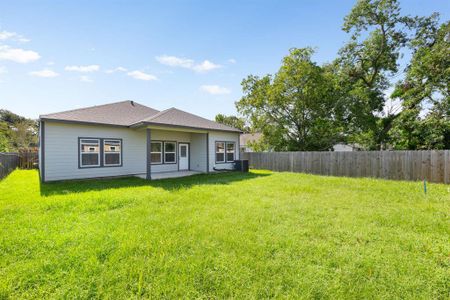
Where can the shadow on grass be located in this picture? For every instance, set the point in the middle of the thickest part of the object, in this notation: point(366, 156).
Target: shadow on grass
point(170, 184)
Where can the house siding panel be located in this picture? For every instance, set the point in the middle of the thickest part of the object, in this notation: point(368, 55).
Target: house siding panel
point(61, 151)
point(174, 136)
point(221, 137)
point(198, 152)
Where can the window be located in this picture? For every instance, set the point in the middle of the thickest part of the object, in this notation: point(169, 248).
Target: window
point(220, 152)
point(112, 152)
point(100, 152)
point(230, 151)
point(156, 152)
point(89, 152)
point(225, 152)
point(183, 151)
point(170, 152)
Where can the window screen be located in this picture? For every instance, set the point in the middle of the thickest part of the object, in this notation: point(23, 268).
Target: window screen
point(220, 151)
point(156, 152)
point(89, 152)
point(112, 152)
point(170, 152)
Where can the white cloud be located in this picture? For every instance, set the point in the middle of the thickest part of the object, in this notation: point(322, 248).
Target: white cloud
point(206, 66)
point(7, 35)
point(214, 89)
point(18, 55)
point(174, 61)
point(85, 78)
point(232, 61)
point(141, 75)
point(3, 70)
point(118, 69)
point(187, 63)
point(83, 69)
point(44, 73)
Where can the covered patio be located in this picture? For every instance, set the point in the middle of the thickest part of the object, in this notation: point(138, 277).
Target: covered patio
point(171, 174)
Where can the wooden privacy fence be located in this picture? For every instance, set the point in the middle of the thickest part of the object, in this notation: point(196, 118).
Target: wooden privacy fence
point(12, 160)
point(432, 165)
point(29, 159)
point(8, 162)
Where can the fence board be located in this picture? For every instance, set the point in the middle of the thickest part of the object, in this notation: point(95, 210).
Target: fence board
point(13, 160)
point(432, 165)
point(8, 163)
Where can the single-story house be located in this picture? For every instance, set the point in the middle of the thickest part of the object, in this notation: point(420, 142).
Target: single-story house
point(246, 139)
point(347, 147)
point(127, 138)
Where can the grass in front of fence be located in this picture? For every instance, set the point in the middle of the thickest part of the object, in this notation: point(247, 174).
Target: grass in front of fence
point(255, 235)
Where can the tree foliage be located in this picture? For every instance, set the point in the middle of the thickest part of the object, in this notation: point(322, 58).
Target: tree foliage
point(424, 122)
point(233, 121)
point(16, 132)
point(295, 108)
point(309, 107)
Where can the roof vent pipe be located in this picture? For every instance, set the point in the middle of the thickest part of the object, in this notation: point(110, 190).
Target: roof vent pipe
point(132, 103)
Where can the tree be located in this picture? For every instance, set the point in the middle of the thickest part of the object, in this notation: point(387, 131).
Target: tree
point(378, 34)
point(233, 121)
point(295, 109)
point(17, 132)
point(425, 92)
point(5, 132)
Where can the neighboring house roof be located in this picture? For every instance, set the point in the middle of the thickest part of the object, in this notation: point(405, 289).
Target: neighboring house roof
point(245, 138)
point(129, 113)
point(176, 117)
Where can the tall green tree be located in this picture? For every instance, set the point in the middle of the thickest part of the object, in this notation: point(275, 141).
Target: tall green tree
point(367, 63)
point(295, 109)
point(424, 122)
point(233, 121)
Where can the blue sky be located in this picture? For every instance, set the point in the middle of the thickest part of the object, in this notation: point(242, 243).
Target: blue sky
point(193, 55)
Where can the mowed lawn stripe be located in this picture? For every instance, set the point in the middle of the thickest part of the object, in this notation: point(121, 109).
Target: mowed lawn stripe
point(232, 235)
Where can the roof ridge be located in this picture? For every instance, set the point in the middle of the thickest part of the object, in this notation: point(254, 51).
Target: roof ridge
point(94, 106)
point(155, 118)
point(159, 114)
point(197, 116)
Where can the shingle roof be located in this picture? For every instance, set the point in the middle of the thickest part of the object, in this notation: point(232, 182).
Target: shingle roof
point(122, 113)
point(129, 113)
point(176, 117)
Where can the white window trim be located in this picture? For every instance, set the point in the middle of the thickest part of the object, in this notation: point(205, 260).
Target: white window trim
point(161, 153)
point(104, 153)
point(226, 151)
point(81, 153)
point(174, 152)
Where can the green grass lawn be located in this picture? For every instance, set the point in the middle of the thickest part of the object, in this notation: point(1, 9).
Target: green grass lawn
point(234, 235)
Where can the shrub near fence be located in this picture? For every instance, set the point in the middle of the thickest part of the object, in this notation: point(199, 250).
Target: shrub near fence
point(432, 165)
point(12, 160)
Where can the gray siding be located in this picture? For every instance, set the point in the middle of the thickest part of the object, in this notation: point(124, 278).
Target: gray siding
point(165, 135)
point(61, 151)
point(222, 137)
point(198, 152)
point(40, 150)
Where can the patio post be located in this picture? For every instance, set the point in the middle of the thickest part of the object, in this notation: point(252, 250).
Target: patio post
point(207, 152)
point(148, 155)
